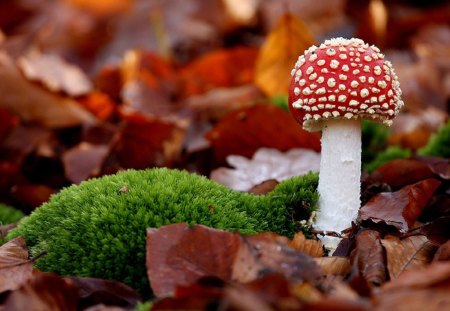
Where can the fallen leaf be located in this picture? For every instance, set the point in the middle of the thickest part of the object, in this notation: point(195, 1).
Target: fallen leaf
point(277, 56)
point(7, 123)
point(55, 73)
point(93, 291)
point(43, 291)
point(401, 172)
point(35, 104)
point(147, 142)
point(443, 252)
point(368, 258)
point(436, 230)
point(310, 247)
point(221, 68)
point(334, 265)
point(401, 208)
point(439, 166)
point(83, 161)
point(31, 195)
point(244, 131)
point(266, 164)
point(407, 254)
point(178, 255)
point(15, 267)
point(264, 188)
point(99, 104)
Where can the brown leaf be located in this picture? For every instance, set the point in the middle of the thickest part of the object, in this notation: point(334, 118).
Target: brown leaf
point(443, 252)
point(369, 257)
point(436, 231)
point(99, 104)
point(264, 188)
point(146, 142)
point(407, 254)
point(179, 255)
point(401, 172)
point(7, 123)
point(31, 195)
point(83, 161)
point(310, 247)
point(277, 56)
point(439, 166)
point(334, 265)
point(34, 104)
point(222, 68)
point(93, 291)
point(244, 131)
point(401, 208)
point(44, 291)
point(55, 73)
point(15, 267)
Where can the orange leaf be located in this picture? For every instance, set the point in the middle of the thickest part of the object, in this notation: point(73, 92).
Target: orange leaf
point(244, 131)
point(277, 57)
point(223, 68)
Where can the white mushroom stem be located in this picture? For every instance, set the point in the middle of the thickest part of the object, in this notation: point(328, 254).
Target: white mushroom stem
point(339, 178)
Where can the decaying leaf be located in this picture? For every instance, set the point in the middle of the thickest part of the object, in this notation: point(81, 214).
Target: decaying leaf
point(277, 56)
point(310, 247)
point(244, 131)
point(35, 104)
point(334, 265)
point(369, 257)
point(178, 255)
point(401, 208)
point(407, 254)
point(15, 267)
point(266, 164)
point(55, 73)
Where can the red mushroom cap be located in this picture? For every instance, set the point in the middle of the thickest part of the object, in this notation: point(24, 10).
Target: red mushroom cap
point(343, 78)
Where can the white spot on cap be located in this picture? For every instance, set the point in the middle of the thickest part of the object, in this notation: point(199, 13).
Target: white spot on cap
point(348, 115)
point(371, 111)
point(353, 103)
point(382, 84)
point(297, 104)
point(341, 87)
point(331, 52)
point(364, 93)
point(308, 116)
point(320, 79)
point(332, 98)
point(324, 70)
point(343, 56)
point(296, 91)
point(312, 101)
point(321, 91)
point(362, 79)
point(313, 76)
point(354, 84)
point(331, 82)
point(357, 59)
point(385, 106)
point(321, 106)
point(375, 90)
point(336, 114)
point(367, 58)
point(293, 72)
point(387, 78)
point(373, 99)
point(366, 68)
point(382, 98)
point(334, 64)
point(330, 106)
point(314, 108)
point(353, 93)
point(363, 106)
point(326, 114)
point(322, 99)
point(377, 70)
point(371, 80)
point(345, 67)
point(390, 112)
point(390, 93)
point(353, 64)
point(342, 77)
point(309, 70)
point(316, 117)
point(321, 62)
point(298, 73)
point(302, 82)
point(313, 57)
point(306, 91)
point(356, 71)
point(342, 98)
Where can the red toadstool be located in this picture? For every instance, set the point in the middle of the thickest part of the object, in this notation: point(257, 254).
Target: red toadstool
point(333, 86)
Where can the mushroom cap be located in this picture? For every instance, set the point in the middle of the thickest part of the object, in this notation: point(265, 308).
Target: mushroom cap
point(343, 79)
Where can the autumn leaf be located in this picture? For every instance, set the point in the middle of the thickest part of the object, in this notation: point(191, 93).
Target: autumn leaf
point(277, 56)
point(334, 265)
point(310, 247)
point(401, 208)
point(407, 254)
point(178, 255)
point(15, 267)
point(221, 68)
point(244, 131)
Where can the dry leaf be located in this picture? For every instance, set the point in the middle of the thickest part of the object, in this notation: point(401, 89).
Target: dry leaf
point(277, 56)
point(244, 131)
point(55, 73)
point(34, 104)
point(266, 164)
point(334, 265)
point(402, 208)
point(407, 254)
point(310, 247)
point(15, 267)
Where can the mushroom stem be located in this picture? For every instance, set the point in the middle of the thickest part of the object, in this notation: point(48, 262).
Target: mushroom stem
point(339, 177)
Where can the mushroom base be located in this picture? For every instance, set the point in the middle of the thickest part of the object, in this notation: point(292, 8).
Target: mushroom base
point(339, 177)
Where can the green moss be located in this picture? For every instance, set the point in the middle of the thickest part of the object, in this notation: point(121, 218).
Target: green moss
point(374, 140)
point(391, 153)
point(98, 228)
point(439, 143)
point(9, 215)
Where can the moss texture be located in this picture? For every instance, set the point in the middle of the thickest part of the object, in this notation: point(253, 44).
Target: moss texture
point(9, 215)
point(439, 143)
point(98, 228)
